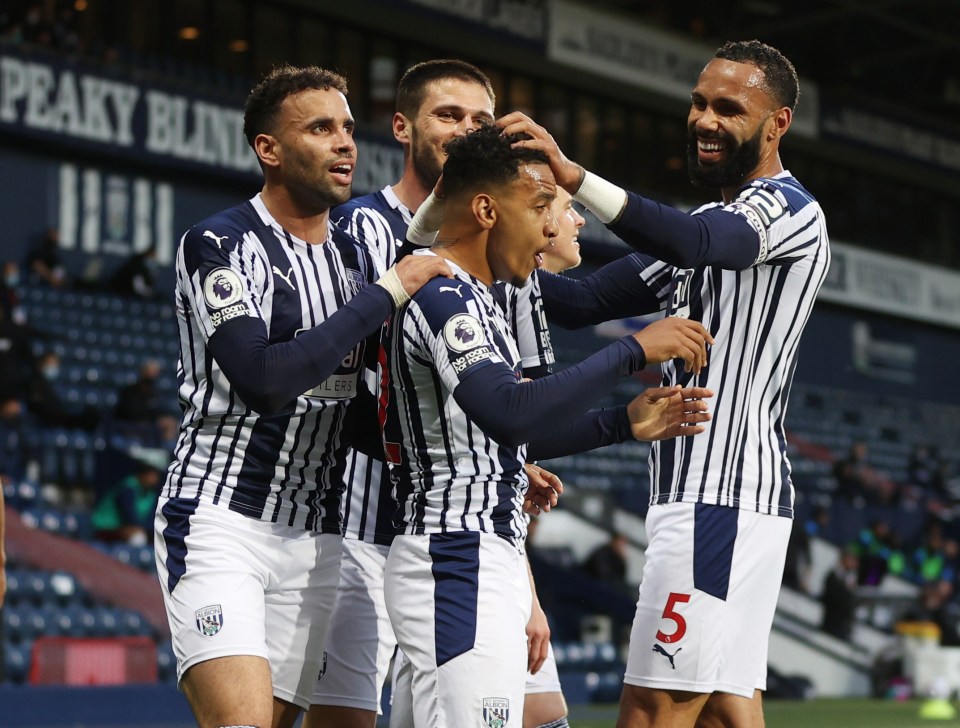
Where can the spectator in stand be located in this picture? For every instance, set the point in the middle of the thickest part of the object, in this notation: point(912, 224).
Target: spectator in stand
point(936, 606)
point(860, 484)
point(45, 403)
point(10, 304)
point(125, 513)
point(608, 563)
point(45, 262)
point(935, 559)
point(11, 448)
point(15, 359)
point(137, 277)
point(139, 402)
point(879, 552)
point(839, 596)
point(796, 568)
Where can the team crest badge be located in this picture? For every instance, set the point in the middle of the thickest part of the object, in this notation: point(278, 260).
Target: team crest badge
point(496, 712)
point(355, 280)
point(209, 620)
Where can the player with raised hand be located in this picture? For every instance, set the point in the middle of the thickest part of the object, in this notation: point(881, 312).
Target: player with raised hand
point(458, 421)
point(749, 267)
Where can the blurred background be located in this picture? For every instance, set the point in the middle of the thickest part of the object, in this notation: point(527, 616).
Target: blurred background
point(120, 126)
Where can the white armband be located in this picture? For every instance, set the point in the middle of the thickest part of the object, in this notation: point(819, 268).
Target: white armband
point(604, 199)
point(425, 225)
point(391, 282)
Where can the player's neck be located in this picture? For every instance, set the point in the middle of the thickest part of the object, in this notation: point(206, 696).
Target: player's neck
point(770, 166)
point(307, 225)
point(468, 251)
point(411, 191)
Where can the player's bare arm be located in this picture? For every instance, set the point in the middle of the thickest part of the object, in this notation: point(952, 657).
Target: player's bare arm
point(538, 631)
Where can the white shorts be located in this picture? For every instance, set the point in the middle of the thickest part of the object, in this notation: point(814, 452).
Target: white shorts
point(361, 641)
point(707, 598)
point(459, 604)
point(401, 714)
point(546, 680)
point(233, 585)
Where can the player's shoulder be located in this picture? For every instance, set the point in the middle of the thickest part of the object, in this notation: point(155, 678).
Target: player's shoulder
point(784, 188)
point(441, 298)
point(374, 204)
point(219, 234)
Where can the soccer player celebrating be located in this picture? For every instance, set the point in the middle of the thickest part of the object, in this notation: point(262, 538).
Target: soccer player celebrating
point(437, 100)
point(749, 267)
point(458, 420)
point(272, 309)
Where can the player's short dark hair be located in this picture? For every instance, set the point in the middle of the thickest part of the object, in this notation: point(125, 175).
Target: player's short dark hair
point(413, 85)
point(779, 76)
point(485, 157)
point(266, 98)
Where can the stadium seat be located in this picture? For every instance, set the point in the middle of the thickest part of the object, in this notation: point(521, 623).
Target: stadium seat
point(16, 661)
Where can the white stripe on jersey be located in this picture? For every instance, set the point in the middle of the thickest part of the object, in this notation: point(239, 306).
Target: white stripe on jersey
point(450, 475)
point(278, 468)
point(379, 222)
point(756, 316)
point(528, 321)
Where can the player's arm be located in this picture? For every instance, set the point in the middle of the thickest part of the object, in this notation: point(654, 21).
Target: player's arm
point(266, 375)
point(617, 290)
point(538, 630)
point(513, 412)
point(718, 237)
point(659, 413)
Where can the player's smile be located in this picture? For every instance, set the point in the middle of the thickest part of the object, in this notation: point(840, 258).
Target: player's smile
point(710, 150)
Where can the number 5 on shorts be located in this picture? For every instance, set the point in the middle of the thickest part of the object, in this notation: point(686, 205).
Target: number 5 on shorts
point(673, 616)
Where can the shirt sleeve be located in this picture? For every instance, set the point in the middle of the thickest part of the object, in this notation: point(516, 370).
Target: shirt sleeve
point(514, 412)
point(223, 283)
point(630, 286)
point(732, 237)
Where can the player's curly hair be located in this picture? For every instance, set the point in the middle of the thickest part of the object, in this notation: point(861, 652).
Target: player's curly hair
point(779, 76)
point(264, 101)
point(413, 85)
point(485, 157)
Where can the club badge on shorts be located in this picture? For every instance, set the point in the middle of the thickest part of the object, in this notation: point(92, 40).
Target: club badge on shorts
point(496, 712)
point(209, 620)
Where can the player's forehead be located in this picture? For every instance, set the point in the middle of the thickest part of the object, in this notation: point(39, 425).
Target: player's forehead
point(457, 92)
point(315, 103)
point(536, 181)
point(722, 78)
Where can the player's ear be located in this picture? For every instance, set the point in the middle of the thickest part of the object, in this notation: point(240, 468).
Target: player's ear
point(779, 123)
point(267, 150)
point(484, 210)
point(401, 128)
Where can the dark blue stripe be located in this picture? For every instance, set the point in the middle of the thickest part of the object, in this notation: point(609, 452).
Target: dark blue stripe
point(714, 533)
point(177, 512)
point(456, 579)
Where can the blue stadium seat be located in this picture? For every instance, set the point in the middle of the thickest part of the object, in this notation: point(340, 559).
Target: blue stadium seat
point(16, 661)
point(166, 663)
point(83, 620)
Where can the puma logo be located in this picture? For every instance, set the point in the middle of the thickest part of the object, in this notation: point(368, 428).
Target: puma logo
point(452, 289)
point(285, 277)
point(215, 238)
point(658, 648)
